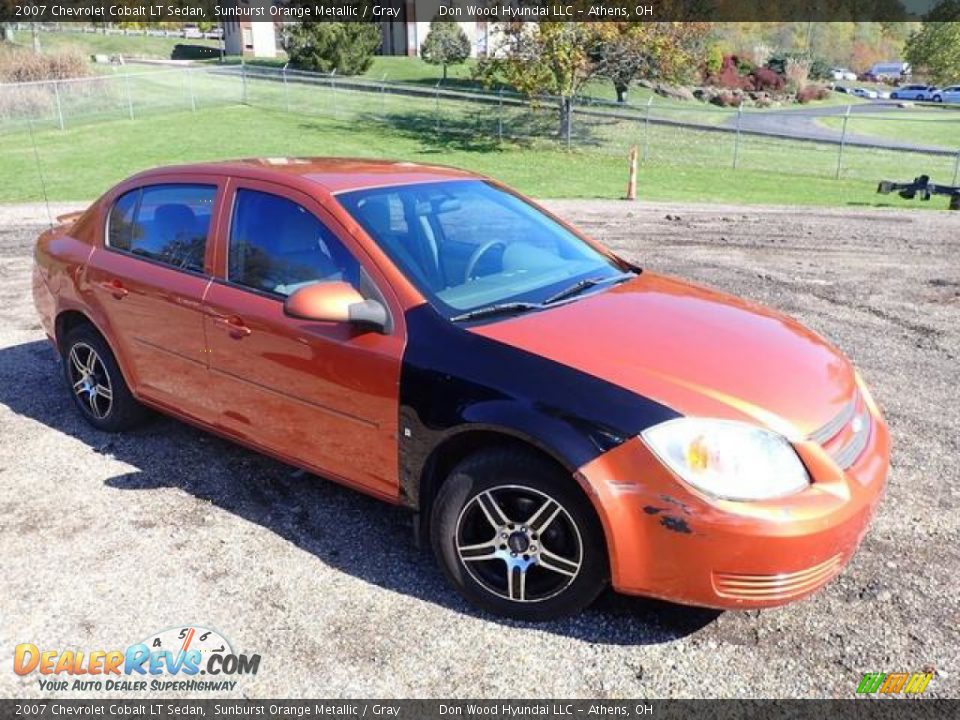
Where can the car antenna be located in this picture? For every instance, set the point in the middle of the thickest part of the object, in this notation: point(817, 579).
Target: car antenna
point(43, 182)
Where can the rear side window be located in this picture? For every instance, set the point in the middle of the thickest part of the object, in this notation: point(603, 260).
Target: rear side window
point(277, 246)
point(166, 223)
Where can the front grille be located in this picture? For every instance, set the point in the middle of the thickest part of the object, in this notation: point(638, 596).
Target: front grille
point(776, 587)
point(835, 425)
point(849, 430)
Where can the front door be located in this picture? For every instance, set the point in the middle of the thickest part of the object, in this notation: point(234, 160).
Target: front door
point(320, 394)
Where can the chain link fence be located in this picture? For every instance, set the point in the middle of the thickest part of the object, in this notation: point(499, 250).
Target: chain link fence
point(886, 142)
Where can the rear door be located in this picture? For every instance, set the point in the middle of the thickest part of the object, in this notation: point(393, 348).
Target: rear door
point(320, 394)
point(149, 280)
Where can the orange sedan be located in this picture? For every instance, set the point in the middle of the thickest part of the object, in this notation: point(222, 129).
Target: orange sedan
point(557, 418)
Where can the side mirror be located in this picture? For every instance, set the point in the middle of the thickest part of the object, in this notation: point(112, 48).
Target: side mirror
point(335, 302)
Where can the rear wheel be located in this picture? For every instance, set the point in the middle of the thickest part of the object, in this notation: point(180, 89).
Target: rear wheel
point(516, 537)
point(96, 384)
point(938, 98)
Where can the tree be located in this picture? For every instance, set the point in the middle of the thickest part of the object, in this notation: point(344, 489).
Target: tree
point(343, 47)
point(543, 58)
point(935, 47)
point(668, 51)
point(7, 29)
point(446, 44)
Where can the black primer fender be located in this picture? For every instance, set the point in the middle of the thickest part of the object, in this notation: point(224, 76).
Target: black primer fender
point(453, 381)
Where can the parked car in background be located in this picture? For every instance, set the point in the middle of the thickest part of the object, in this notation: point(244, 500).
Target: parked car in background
point(914, 92)
point(843, 74)
point(557, 417)
point(950, 94)
point(864, 93)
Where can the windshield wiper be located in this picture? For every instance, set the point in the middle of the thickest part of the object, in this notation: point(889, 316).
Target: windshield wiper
point(581, 285)
point(500, 309)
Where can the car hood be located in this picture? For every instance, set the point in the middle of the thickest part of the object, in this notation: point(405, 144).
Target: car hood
point(696, 350)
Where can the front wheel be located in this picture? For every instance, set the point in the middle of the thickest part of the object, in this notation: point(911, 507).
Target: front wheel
point(516, 537)
point(937, 98)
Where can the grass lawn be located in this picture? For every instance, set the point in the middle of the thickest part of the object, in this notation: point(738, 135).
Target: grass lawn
point(415, 70)
point(126, 45)
point(460, 77)
point(923, 125)
point(84, 161)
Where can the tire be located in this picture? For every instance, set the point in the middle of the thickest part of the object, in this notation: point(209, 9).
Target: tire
point(937, 99)
point(893, 96)
point(547, 557)
point(96, 384)
point(920, 98)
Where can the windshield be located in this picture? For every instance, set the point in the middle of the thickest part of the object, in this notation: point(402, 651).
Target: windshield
point(467, 245)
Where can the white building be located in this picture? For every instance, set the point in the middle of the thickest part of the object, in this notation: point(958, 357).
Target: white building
point(895, 69)
point(402, 35)
point(251, 38)
point(405, 34)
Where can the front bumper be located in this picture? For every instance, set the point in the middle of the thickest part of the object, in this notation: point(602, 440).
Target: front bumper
point(666, 540)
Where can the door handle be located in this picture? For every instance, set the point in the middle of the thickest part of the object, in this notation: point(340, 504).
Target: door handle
point(233, 325)
point(115, 288)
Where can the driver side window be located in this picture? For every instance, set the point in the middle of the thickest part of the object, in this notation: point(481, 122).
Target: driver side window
point(278, 246)
point(165, 223)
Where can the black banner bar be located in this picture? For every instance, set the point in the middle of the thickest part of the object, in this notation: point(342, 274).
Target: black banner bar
point(472, 10)
point(862, 709)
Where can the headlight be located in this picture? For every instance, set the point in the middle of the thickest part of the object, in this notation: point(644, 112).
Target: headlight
point(728, 459)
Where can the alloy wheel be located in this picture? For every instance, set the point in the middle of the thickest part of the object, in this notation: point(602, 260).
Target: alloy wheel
point(90, 380)
point(519, 543)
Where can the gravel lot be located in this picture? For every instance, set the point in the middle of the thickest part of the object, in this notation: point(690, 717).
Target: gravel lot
point(106, 539)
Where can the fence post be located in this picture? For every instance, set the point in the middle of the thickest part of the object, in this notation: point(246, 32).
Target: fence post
point(843, 142)
point(646, 129)
point(193, 98)
point(286, 90)
point(632, 181)
point(243, 80)
point(56, 92)
point(500, 115)
point(736, 140)
point(436, 110)
point(126, 87)
point(956, 169)
point(568, 130)
point(383, 96)
point(333, 91)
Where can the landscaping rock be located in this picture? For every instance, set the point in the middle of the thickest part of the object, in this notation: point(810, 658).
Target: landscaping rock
point(676, 93)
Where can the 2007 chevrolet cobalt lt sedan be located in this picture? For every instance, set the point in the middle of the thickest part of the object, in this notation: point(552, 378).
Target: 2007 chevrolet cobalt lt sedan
point(556, 417)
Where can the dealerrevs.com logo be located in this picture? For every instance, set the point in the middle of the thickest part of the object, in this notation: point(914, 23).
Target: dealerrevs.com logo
point(188, 659)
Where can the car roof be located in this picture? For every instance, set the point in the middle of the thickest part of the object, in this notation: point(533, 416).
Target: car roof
point(332, 174)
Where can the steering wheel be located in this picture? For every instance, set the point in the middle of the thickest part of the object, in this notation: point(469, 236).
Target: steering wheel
point(477, 254)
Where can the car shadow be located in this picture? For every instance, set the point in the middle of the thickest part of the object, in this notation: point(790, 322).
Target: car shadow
point(368, 539)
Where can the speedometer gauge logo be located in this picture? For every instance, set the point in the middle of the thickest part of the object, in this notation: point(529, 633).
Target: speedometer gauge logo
point(192, 639)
